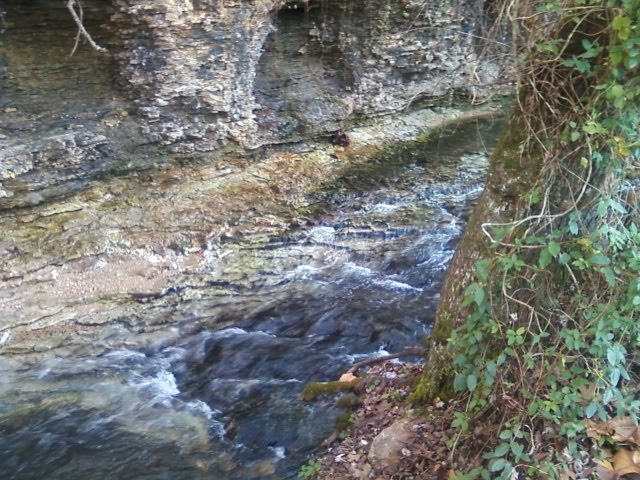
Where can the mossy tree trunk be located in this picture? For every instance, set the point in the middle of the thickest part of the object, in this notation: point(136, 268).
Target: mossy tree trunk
point(532, 150)
point(510, 178)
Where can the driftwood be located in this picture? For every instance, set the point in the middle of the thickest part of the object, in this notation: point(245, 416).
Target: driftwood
point(407, 352)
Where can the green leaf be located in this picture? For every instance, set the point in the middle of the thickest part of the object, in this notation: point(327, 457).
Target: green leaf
point(554, 248)
point(612, 356)
point(591, 410)
point(599, 259)
point(498, 465)
point(517, 449)
point(490, 373)
point(622, 26)
point(505, 435)
point(472, 382)
point(491, 368)
point(609, 276)
point(482, 269)
point(478, 295)
point(545, 258)
point(573, 227)
point(617, 91)
point(616, 56)
point(614, 377)
point(592, 128)
point(503, 358)
point(459, 383)
point(501, 450)
point(584, 162)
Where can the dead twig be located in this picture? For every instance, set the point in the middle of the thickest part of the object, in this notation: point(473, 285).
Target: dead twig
point(407, 352)
point(81, 30)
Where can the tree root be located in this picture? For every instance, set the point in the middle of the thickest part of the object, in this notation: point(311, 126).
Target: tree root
point(407, 352)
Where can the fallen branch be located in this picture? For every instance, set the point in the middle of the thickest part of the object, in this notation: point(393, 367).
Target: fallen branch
point(81, 30)
point(407, 352)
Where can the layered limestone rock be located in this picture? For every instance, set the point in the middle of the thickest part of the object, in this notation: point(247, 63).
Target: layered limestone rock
point(190, 77)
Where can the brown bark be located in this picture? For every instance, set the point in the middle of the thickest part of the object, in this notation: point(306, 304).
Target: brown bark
point(511, 176)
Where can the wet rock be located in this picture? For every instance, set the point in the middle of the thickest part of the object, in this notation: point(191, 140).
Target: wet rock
point(388, 447)
point(145, 252)
point(340, 138)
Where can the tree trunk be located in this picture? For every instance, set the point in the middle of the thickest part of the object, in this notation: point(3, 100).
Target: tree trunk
point(510, 178)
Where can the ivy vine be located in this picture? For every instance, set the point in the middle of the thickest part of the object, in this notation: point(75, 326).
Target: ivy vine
point(550, 347)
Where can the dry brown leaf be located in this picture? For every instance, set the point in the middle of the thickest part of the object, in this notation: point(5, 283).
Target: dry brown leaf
point(597, 430)
point(587, 392)
point(347, 377)
point(624, 430)
point(604, 464)
point(620, 429)
point(605, 470)
point(625, 462)
point(451, 474)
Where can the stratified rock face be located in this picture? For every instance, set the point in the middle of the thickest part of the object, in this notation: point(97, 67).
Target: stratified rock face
point(192, 76)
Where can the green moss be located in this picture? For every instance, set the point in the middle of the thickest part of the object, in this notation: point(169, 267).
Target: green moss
point(314, 390)
point(347, 402)
point(513, 174)
point(441, 331)
point(343, 421)
point(437, 377)
point(509, 148)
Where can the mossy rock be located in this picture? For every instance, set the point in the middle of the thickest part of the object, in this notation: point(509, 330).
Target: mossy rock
point(348, 402)
point(314, 390)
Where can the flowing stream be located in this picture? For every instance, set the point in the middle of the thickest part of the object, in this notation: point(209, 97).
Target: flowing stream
point(359, 278)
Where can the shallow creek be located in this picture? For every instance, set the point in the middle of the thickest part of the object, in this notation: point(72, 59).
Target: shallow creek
point(217, 395)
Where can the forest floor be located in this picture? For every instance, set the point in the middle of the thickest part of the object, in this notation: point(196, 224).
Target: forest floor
point(386, 438)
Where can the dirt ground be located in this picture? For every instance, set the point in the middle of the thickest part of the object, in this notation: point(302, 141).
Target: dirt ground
point(421, 440)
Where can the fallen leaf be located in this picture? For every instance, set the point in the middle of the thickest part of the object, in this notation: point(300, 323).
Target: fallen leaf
point(624, 430)
point(596, 430)
point(624, 462)
point(606, 464)
point(566, 475)
point(587, 392)
point(605, 471)
point(620, 429)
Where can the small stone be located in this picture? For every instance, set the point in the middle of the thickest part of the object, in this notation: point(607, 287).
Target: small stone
point(347, 377)
point(10, 110)
point(387, 448)
point(361, 472)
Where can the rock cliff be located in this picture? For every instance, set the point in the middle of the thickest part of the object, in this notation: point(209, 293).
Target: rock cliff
point(192, 77)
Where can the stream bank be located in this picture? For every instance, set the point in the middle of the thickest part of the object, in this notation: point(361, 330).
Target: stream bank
point(182, 311)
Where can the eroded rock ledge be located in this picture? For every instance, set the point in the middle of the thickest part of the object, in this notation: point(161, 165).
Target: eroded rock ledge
point(200, 76)
point(159, 254)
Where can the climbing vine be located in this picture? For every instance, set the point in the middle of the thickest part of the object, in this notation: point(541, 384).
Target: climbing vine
point(548, 353)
